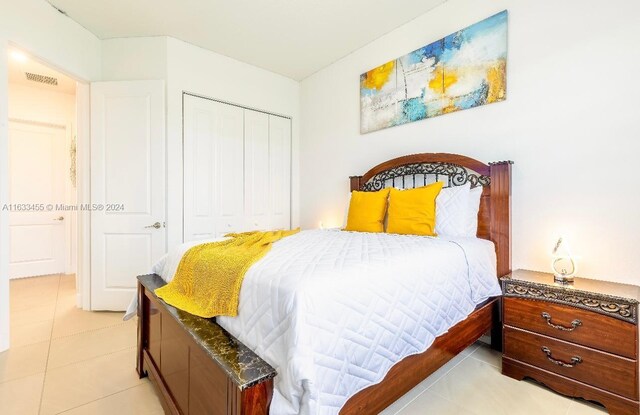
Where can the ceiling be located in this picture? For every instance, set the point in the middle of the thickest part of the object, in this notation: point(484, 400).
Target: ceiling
point(294, 38)
point(20, 63)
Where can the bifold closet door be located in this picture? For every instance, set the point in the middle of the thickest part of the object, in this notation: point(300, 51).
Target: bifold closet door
point(237, 169)
point(256, 164)
point(267, 163)
point(213, 168)
point(279, 172)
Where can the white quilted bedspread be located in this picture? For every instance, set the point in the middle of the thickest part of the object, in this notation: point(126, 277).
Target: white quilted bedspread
point(332, 311)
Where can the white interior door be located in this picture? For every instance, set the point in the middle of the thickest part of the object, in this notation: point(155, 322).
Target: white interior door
point(36, 172)
point(213, 168)
point(127, 187)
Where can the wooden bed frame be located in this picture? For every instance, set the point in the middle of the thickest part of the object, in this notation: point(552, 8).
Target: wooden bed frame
point(203, 394)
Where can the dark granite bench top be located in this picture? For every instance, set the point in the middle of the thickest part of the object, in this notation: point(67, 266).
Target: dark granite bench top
point(240, 363)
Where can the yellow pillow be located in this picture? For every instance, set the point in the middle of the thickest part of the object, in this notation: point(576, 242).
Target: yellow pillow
point(413, 211)
point(367, 210)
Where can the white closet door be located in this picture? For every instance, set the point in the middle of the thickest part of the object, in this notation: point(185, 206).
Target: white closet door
point(280, 172)
point(213, 168)
point(256, 161)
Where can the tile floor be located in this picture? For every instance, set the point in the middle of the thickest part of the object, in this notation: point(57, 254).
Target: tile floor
point(57, 350)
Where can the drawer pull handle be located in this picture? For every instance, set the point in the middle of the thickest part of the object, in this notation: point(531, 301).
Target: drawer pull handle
point(574, 360)
point(574, 324)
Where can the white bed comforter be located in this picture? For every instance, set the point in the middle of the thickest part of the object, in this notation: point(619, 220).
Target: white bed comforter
point(332, 311)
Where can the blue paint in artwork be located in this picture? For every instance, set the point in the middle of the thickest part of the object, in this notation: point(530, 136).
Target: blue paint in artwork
point(367, 92)
point(454, 41)
point(433, 50)
point(485, 25)
point(473, 99)
point(413, 109)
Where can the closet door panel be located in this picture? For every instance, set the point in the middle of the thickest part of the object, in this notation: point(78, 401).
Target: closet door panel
point(280, 172)
point(213, 168)
point(256, 161)
point(229, 173)
point(199, 140)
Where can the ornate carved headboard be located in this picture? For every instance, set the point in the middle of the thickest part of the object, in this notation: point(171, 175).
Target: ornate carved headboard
point(415, 170)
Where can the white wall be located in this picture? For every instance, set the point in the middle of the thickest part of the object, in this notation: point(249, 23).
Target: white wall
point(48, 106)
point(38, 104)
point(570, 123)
point(139, 58)
point(197, 70)
point(37, 28)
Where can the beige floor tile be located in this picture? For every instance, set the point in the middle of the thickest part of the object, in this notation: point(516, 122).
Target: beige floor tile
point(580, 407)
point(32, 315)
point(36, 286)
point(442, 371)
point(33, 300)
point(403, 401)
point(425, 384)
point(31, 333)
point(19, 362)
point(74, 385)
point(67, 301)
point(480, 387)
point(35, 282)
point(68, 283)
point(488, 355)
point(90, 344)
point(21, 396)
point(73, 320)
point(139, 400)
point(471, 348)
point(430, 403)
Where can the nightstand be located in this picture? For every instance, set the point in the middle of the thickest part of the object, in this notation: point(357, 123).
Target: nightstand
point(579, 339)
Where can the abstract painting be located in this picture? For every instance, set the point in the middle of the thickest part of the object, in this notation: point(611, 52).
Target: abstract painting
point(464, 70)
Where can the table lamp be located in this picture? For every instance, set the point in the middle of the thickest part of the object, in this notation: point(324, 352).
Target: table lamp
point(563, 263)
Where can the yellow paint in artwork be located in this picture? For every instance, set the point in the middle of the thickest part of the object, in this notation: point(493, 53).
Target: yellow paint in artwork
point(376, 78)
point(449, 107)
point(442, 80)
point(496, 78)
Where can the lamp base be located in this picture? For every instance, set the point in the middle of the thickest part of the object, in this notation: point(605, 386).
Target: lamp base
point(563, 279)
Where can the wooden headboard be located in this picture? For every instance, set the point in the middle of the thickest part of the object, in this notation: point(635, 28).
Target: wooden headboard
point(415, 170)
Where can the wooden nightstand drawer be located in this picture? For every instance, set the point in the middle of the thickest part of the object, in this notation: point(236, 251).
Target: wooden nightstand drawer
point(573, 324)
point(616, 374)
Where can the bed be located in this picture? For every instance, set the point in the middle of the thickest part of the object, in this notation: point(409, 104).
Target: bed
point(322, 329)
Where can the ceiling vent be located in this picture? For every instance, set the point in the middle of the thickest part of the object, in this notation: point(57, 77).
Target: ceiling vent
point(49, 80)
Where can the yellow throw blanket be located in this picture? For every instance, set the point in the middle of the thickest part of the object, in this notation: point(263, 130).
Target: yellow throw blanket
point(208, 280)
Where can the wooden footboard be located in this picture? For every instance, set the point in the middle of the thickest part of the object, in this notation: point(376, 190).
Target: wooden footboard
point(196, 366)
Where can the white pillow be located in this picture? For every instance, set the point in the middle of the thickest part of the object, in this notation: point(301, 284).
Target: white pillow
point(452, 211)
point(457, 211)
point(472, 212)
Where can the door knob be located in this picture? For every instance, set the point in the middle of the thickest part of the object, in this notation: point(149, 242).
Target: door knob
point(59, 218)
point(156, 225)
